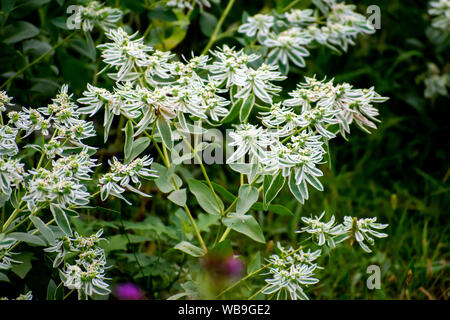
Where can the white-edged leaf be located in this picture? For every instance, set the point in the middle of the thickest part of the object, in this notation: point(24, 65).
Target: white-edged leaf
point(178, 197)
point(46, 232)
point(61, 219)
point(190, 249)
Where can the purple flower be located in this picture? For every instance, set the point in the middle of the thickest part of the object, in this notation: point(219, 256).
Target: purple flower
point(129, 291)
point(233, 266)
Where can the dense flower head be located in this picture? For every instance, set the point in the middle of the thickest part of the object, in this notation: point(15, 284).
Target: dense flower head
point(291, 272)
point(96, 14)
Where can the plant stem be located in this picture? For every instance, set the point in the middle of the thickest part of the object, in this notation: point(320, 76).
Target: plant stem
point(37, 60)
point(258, 292)
point(218, 26)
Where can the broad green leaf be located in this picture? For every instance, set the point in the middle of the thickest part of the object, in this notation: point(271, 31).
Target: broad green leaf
point(190, 249)
point(139, 145)
point(178, 197)
point(245, 224)
point(248, 195)
point(28, 238)
point(227, 195)
point(205, 221)
point(165, 132)
point(205, 197)
point(164, 181)
point(129, 133)
point(234, 112)
point(207, 23)
point(255, 264)
point(4, 277)
point(21, 269)
point(46, 232)
point(61, 219)
point(275, 208)
point(51, 290)
point(18, 31)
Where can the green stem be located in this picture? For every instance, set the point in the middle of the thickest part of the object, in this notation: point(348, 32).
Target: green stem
point(218, 26)
point(258, 292)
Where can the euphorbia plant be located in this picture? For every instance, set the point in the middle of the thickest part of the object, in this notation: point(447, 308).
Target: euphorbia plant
point(278, 140)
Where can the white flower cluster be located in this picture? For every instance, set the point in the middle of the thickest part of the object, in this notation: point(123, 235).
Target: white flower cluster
point(440, 9)
point(291, 271)
point(154, 90)
point(96, 14)
point(115, 182)
point(288, 35)
point(352, 228)
point(87, 272)
point(4, 101)
point(292, 141)
point(62, 183)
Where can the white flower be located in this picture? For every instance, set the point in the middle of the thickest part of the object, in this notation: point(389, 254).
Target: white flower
point(4, 101)
point(260, 23)
point(96, 14)
point(441, 10)
point(87, 273)
point(231, 66)
point(291, 273)
point(362, 229)
point(249, 138)
point(323, 232)
point(258, 83)
point(121, 175)
point(11, 174)
point(287, 45)
point(8, 144)
point(125, 53)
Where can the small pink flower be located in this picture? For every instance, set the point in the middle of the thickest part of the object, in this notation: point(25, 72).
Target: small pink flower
point(129, 291)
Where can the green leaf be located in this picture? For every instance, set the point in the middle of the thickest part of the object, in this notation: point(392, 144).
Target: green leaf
point(190, 249)
point(59, 292)
point(178, 197)
point(275, 208)
point(247, 107)
point(61, 219)
point(46, 232)
point(227, 195)
point(21, 269)
point(139, 145)
point(205, 221)
point(205, 197)
point(129, 133)
point(248, 195)
point(164, 181)
point(51, 290)
point(165, 131)
point(234, 112)
point(28, 238)
point(272, 186)
point(245, 224)
point(255, 264)
point(18, 31)
point(207, 23)
point(4, 277)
